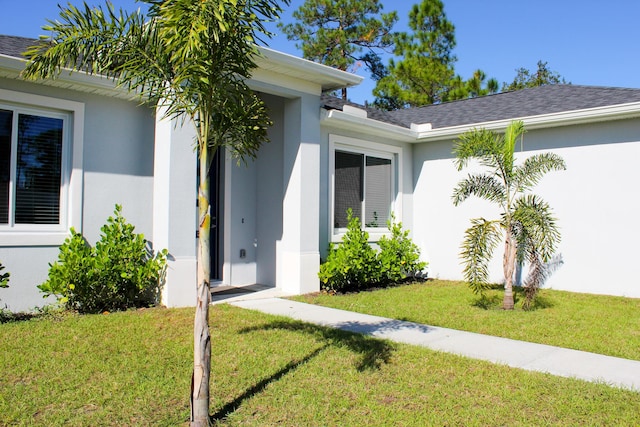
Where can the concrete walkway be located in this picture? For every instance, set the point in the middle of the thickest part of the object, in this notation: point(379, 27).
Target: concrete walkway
point(518, 354)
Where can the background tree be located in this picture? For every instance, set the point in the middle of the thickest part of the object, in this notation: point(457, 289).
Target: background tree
point(425, 73)
point(525, 78)
point(422, 76)
point(190, 59)
point(529, 229)
point(477, 85)
point(340, 33)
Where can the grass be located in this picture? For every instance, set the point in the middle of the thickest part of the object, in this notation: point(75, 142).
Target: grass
point(596, 323)
point(133, 368)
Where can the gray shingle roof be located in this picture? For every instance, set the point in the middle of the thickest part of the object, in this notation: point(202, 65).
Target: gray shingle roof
point(507, 105)
point(330, 102)
point(522, 103)
point(15, 46)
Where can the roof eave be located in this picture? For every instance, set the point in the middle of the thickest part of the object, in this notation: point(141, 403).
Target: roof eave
point(283, 63)
point(565, 118)
point(341, 120)
point(316, 75)
point(11, 67)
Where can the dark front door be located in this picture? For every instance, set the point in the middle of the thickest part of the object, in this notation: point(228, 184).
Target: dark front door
point(216, 185)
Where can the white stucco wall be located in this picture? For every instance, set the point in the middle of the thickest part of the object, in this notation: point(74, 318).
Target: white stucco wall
point(117, 168)
point(594, 200)
point(269, 194)
point(270, 209)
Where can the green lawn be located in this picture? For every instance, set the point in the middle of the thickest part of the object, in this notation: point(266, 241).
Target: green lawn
point(596, 323)
point(134, 368)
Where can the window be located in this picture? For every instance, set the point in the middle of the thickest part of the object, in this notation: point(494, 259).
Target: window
point(41, 151)
point(362, 183)
point(31, 164)
point(365, 179)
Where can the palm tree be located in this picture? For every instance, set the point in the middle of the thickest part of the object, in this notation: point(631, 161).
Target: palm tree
point(190, 59)
point(526, 222)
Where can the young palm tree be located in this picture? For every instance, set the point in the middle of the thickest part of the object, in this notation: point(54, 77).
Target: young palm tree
point(526, 223)
point(191, 59)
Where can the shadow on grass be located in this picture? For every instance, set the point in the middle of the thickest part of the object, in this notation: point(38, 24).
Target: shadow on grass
point(9, 317)
point(374, 353)
point(492, 300)
point(233, 406)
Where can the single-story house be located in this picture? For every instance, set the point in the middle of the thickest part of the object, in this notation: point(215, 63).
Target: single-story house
point(274, 217)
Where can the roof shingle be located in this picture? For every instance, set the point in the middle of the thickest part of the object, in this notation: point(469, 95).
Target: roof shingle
point(522, 103)
point(14, 45)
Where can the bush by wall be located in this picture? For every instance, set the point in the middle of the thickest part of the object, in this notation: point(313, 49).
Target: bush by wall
point(4, 277)
point(121, 271)
point(399, 257)
point(354, 265)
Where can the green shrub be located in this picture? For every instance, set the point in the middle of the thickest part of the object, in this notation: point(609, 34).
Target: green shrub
point(351, 264)
point(4, 278)
point(354, 265)
point(121, 271)
point(399, 257)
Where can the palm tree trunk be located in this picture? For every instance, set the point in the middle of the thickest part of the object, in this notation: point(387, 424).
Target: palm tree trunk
point(201, 337)
point(509, 265)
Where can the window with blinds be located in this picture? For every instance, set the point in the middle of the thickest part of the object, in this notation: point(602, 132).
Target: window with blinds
point(31, 166)
point(363, 183)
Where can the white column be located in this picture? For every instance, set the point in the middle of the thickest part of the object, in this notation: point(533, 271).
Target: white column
point(174, 208)
point(298, 254)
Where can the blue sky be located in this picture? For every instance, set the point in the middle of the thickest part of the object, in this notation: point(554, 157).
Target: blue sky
point(588, 42)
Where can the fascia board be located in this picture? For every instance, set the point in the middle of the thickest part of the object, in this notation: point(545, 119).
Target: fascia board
point(340, 120)
point(11, 67)
point(565, 118)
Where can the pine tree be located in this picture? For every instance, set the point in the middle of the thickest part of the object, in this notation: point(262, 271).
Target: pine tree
point(342, 33)
point(423, 74)
point(541, 77)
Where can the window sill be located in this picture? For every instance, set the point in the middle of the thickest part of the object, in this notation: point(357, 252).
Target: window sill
point(35, 238)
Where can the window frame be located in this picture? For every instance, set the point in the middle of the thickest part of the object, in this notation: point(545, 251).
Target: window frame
point(373, 149)
point(72, 115)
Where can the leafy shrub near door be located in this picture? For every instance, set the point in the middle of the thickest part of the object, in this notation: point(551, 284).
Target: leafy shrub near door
point(354, 265)
point(120, 272)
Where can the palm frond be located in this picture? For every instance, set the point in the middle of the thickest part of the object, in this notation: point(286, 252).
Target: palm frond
point(93, 40)
point(484, 186)
point(529, 173)
point(480, 144)
point(480, 240)
point(538, 224)
point(514, 130)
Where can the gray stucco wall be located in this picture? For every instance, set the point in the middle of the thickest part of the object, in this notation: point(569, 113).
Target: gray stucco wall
point(118, 168)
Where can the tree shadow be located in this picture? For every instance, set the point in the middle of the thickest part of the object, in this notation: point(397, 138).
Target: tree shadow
point(493, 299)
point(233, 406)
point(374, 353)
